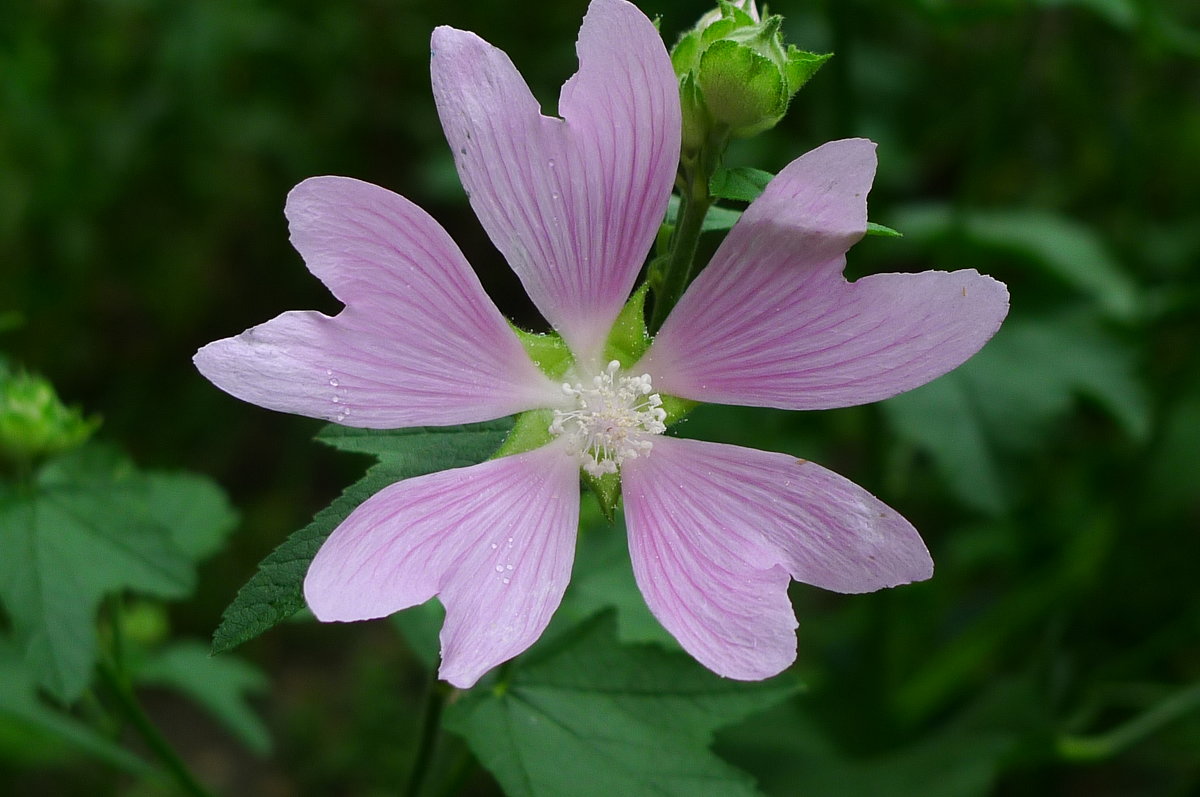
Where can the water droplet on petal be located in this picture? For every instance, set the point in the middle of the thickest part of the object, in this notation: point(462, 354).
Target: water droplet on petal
point(506, 580)
point(333, 381)
point(499, 568)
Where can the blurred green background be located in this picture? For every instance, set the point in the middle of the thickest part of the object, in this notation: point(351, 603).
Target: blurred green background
point(145, 152)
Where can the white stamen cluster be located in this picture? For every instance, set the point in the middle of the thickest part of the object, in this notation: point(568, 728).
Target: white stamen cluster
point(612, 421)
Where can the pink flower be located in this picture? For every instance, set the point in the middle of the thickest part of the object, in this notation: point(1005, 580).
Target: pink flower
point(715, 531)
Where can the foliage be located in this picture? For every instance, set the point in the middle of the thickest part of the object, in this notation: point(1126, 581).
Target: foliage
point(145, 152)
point(583, 716)
point(273, 594)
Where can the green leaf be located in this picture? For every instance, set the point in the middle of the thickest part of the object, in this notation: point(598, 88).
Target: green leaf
point(193, 509)
point(1066, 250)
point(584, 716)
point(421, 628)
point(797, 756)
point(1121, 14)
point(745, 184)
point(716, 220)
point(942, 419)
point(421, 449)
point(219, 685)
point(1008, 396)
point(603, 579)
point(742, 183)
point(883, 232)
point(273, 593)
point(42, 727)
point(69, 541)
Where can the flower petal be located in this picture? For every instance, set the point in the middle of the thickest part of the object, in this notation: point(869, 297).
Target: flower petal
point(572, 203)
point(418, 343)
point(495, 541)
point(772, 322)
point(715, 530)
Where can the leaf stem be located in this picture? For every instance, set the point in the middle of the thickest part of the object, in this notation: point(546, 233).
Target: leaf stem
point(680, 263)
point(694, 201)
point(116, 677)
point(431, 723)
point(1104, 745)
point(132, 710)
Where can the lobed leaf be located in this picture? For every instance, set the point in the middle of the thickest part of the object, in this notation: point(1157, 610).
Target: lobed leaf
point(219, 685)
point(22, 710)
point(1007, 397)
point(743, 183)
point(90, 525)
point(1066, 250)
point(585, 716)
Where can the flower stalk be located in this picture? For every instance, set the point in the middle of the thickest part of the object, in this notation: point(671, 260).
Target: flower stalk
point(679, 269)
point(116, 678)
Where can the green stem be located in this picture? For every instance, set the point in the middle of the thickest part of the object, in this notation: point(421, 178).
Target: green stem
point(115, 676)
point(1101, 746)
point(431, 724)
point(132, 710)
point(695, 171)
point(693, 206)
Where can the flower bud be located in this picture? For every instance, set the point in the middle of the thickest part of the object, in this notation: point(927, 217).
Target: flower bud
point(33, 422)
point(736, 75)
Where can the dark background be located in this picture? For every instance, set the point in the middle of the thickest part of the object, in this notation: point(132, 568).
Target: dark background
point(145, 152)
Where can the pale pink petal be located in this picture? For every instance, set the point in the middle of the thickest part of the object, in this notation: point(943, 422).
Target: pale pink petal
point(716, 530)
point(494, 541)
point(572, 203)
point(772, 322)
point(418, 343)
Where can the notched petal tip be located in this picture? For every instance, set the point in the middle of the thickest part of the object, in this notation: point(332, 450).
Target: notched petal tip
point(572, 203)
point(494, 542)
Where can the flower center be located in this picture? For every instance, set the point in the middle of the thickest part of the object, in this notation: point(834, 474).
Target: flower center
point(613, 420)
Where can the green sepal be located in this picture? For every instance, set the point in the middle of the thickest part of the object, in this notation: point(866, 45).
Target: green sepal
point(530, 430)
point(629, 338)
point(734, 23)
point(548, 351)
point(686, 52)
point(801, 66)
point(881, 231)
point(607, 489)
point(676, 408)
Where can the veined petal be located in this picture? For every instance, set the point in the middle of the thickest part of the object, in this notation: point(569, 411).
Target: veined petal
point(494, 541)
point(772, 322)
point(572, 203)
point(715, 530)
point(712, 581)
point(418, 343)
